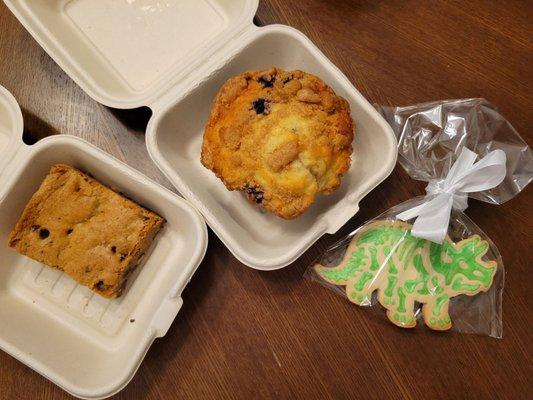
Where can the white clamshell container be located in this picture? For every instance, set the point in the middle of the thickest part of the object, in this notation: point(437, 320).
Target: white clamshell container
point(173, 56)
point(88, 345)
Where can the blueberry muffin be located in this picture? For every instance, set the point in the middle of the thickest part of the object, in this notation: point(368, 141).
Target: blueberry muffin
point(281, 137)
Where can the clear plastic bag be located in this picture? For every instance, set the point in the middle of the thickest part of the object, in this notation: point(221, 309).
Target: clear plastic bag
point(456, 284)
point(431, 136)
point(387, 264)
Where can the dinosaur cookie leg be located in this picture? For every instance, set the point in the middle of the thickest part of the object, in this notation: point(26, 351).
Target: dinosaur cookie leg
point(435, 313)
point(401, 312)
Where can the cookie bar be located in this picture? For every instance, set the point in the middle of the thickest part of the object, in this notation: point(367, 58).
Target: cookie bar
point(280, 137)
point(79, 226)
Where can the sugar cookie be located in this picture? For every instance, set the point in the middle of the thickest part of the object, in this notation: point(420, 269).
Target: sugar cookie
point(384, 256)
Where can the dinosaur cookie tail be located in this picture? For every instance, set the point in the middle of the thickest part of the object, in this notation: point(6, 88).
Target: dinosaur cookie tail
point(346, 269)
point(338, 275)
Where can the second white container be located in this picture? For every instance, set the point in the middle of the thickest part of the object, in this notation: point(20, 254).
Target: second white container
point(88, 345)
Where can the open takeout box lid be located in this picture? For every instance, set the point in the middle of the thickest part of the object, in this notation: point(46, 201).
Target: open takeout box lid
point(128, 53)
point(11, 126)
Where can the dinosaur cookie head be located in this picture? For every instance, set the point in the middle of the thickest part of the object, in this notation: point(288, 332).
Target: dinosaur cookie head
point(462, 265)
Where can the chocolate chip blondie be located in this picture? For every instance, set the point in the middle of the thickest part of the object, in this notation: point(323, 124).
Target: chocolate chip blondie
point(280, 137)
point(79, 226)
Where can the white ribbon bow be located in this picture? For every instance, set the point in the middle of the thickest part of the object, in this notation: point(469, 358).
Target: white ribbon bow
point(433, 216)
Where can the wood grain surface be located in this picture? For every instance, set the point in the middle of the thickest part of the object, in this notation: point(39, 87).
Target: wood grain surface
point(245, 334)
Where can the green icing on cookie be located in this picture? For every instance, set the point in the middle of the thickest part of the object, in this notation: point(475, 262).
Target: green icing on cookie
point(441, 300)
point(455, 261)
point(384, 256)
point(363, 280)
point(437, 288)
point(458, 285)
point(392, 268)
point(374, 265)
point(354, 264)
point(421, 279)
point(391, 282)
point(401, 298)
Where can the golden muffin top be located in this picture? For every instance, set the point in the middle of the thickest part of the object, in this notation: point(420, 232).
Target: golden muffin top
point(279, 136)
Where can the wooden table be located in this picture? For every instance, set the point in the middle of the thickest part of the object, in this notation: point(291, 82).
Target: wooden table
point(247, 334)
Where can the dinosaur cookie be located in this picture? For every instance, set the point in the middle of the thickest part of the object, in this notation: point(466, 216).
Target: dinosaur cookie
point(384, 256)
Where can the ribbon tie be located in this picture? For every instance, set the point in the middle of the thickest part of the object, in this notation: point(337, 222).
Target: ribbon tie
point(465, 176)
